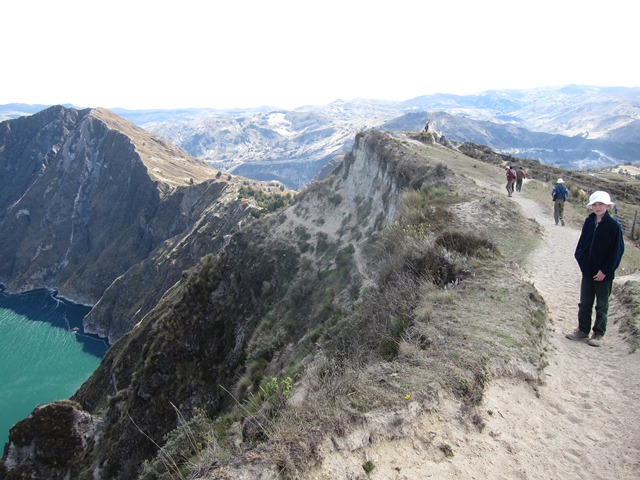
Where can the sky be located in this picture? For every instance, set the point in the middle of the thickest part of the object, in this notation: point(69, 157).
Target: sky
point(142, 54)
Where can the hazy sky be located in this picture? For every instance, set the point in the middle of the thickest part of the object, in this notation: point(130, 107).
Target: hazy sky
point(248, 53)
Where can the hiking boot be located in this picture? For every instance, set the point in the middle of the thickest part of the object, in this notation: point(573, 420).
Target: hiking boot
point(577, 335)
point(596, 340)
point(562, 222)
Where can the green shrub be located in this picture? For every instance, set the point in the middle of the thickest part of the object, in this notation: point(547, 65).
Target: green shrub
point(447, 450)
point(266, 201)
point(322, 243)
point(276, 390)
point(265, 340)
point(345, 255)
point(368, 466)
point(302, 233)
point(466, 243)
point(270, 397)
point(390, 348)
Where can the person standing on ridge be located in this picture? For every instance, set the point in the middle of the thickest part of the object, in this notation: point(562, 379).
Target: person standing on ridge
point(559, 194)
point(521, 174)
point(598, 254)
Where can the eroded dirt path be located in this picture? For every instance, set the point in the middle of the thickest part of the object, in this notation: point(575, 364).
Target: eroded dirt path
point(583, 422)
point(586, 422)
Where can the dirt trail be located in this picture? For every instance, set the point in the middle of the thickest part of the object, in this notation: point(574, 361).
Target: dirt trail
point(583, 422)
point(586, 422)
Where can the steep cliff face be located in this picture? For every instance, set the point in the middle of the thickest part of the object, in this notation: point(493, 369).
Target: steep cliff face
point(85, 196)
point(213, 214)
point(100, 210)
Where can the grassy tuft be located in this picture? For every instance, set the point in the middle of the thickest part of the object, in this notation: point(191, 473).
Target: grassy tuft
point(627, 296)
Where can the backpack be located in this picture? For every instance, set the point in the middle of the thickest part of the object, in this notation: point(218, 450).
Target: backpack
point(559, 191)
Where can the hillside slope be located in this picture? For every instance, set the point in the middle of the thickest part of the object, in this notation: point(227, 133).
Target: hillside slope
point(357, 291)
point(579, 421)
point(391, 321)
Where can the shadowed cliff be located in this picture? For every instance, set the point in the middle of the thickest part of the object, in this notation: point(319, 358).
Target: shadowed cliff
point(95, 207)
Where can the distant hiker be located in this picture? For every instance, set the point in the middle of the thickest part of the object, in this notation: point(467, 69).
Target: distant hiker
point(521, 174)
point(511, 178)
point(426, 127)
point(598, 253)
point(559, 195)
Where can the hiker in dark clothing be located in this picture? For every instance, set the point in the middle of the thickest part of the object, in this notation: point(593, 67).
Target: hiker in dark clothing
point(598, 253)
point(511, 178)
point(520, 176)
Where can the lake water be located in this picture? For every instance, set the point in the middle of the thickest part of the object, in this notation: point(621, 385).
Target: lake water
point(44, 354)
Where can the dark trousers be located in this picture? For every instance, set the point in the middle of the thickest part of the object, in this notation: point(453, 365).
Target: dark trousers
point(519, 185)
point(591, 291)
point(558, 210)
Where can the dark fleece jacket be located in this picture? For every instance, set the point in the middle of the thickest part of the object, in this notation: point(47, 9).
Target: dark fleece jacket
point(600, 246)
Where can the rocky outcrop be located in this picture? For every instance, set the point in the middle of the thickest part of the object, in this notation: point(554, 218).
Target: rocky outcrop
point(85, 196)
point(48, 442)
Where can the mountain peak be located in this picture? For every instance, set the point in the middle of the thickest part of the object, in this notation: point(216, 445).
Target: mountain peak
point(164, 161)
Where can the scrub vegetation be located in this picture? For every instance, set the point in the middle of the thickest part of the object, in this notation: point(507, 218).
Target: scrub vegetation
point(334, 321)
point(370, 324)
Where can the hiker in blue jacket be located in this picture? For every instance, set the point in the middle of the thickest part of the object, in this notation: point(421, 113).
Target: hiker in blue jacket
point(598, 253)
point(559, 195)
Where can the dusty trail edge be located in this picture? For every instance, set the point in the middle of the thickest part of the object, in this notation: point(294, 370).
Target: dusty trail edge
point(581, 422)
point(584, 420)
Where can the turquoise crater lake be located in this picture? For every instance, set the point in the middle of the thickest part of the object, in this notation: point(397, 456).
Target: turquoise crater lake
point(44, 353)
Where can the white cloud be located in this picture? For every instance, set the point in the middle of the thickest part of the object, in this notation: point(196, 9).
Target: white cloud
point(155, 54)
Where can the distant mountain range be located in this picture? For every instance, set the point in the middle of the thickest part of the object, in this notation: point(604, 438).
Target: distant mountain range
point(571, 127)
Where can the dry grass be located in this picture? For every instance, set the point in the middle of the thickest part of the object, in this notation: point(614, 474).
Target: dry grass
point(627, 312)
point(449, 310)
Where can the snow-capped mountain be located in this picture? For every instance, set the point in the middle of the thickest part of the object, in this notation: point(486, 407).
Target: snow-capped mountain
point(585, 111)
